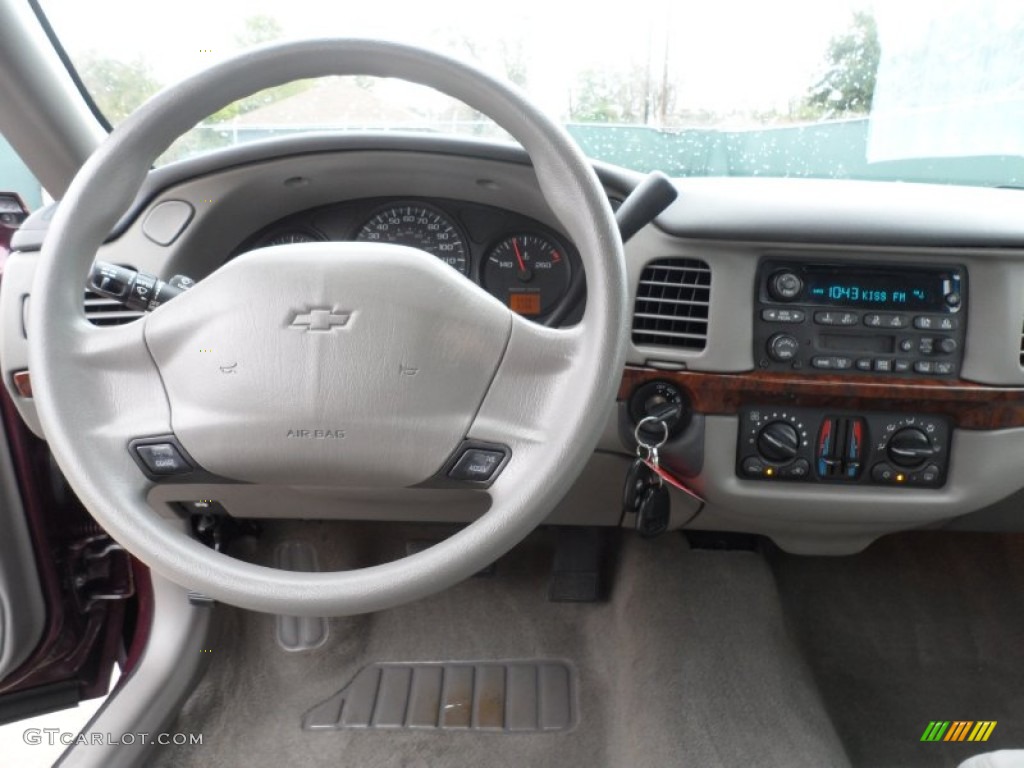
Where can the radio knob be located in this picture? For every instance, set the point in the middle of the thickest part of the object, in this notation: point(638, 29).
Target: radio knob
point(778, 442)
point(785, 286)
point(783, 347)
point(946, 345)
point(910, 448)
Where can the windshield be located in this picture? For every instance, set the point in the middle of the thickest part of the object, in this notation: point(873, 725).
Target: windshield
point(812, 88)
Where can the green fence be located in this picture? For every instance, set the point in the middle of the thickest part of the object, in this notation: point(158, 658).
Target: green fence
point(818, 150)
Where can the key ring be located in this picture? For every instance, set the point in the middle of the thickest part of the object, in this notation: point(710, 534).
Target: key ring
point(641, 442)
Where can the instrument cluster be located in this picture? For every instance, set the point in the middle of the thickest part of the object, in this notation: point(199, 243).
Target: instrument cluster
point(524, 264)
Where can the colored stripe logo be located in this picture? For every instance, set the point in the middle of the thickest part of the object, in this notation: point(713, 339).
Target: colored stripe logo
point(958, 730)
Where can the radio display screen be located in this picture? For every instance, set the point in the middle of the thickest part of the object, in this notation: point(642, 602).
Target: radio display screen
point(921, 291)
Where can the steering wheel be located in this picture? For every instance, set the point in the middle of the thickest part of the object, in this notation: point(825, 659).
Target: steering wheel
point(324, 341)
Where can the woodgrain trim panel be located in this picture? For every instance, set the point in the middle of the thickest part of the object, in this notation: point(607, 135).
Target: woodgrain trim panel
point(969, 405)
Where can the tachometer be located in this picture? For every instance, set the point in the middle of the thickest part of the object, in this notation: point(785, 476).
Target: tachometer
point(418, 226)
point(529, 273)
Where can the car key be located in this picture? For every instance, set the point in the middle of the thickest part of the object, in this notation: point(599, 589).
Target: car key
point(645, 494)
point(653, 514)
point(638, 479)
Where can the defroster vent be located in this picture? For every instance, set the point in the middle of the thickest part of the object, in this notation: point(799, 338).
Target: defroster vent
point(672, 302)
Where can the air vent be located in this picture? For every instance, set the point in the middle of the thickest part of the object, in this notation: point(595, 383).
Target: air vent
point(99, 310)
point(672, 304)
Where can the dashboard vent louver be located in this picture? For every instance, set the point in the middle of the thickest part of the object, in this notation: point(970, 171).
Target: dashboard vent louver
point(100, 310)
point(672, 302)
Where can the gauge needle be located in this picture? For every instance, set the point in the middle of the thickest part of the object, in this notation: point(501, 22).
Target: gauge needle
point(519, 256)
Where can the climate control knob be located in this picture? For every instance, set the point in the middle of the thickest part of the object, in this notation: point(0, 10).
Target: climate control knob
point(910, 448)
point(782, 347)
point(778, 442)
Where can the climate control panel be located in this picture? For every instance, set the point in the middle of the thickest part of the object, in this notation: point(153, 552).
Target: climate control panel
point(814, 445)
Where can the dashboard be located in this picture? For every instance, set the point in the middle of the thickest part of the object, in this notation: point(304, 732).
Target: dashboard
point(847, 357)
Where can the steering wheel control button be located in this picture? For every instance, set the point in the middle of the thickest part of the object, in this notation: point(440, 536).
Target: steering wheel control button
point(478, 464)
point(161, 457)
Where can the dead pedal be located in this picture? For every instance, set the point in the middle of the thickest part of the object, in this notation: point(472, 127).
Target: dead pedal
point(508, 696)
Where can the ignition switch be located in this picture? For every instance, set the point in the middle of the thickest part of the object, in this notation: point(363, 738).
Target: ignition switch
point(663, 400)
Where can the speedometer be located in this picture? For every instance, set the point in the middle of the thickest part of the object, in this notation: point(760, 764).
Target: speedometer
point(418, 226)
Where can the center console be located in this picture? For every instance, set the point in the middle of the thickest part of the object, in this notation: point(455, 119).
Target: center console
point(853, 319)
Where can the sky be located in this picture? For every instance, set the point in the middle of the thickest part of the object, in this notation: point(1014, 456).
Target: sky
point(723, 55)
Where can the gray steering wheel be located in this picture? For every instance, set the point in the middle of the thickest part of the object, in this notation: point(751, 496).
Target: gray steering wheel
point(543, 393)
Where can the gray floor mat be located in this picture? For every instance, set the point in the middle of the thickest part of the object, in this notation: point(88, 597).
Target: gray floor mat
point(921, 627)
point(689, 665)
point(514, 696)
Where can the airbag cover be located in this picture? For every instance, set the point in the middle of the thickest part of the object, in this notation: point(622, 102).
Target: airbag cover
point(334, 364)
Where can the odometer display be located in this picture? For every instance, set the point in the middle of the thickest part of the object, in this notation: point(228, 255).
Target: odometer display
point(418, 226)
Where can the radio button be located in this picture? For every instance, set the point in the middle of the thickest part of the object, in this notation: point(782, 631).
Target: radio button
point(864, 364)
point(782, 347)
point(783, 315)
point(907, 345)
point(785, 286)
point(932, 323)
point(883, 366)
point(924, 366)
point(832, 363)
point(902, 366)
point(836, 318)
point(943, 368)
point(886, 320)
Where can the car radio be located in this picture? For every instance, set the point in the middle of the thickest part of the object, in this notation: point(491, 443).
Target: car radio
point(815, 317)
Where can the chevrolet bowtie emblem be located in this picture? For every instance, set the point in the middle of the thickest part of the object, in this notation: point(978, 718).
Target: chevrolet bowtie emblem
point(320, 320)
